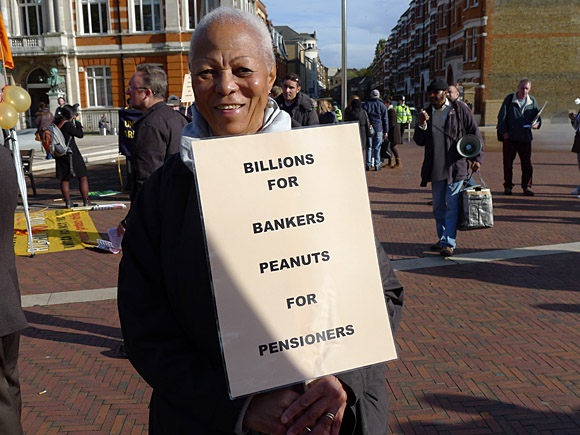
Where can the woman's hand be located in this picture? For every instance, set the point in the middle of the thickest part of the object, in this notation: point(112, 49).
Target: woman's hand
point(265, 411)
point(320, 408)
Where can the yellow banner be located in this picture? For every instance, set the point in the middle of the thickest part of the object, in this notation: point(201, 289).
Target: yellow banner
point(54, 231)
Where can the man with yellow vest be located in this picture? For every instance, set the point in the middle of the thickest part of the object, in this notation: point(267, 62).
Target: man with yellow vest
point(403, 115)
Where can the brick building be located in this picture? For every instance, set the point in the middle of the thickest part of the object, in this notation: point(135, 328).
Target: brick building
point(485, 47)
point(97, 44)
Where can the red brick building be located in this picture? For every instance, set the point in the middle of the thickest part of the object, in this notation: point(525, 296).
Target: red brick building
point(485, 47)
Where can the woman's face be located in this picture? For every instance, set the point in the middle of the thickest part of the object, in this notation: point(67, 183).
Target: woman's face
point(230, 79)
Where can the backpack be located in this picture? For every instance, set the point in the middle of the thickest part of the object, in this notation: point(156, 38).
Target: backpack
point(53, 141)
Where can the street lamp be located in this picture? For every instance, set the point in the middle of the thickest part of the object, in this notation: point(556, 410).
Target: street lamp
point(344, 67)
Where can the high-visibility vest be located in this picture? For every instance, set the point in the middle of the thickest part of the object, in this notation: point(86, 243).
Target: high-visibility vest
point(403, 114)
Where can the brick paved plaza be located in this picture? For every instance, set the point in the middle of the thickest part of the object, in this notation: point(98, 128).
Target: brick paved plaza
point(489, 343)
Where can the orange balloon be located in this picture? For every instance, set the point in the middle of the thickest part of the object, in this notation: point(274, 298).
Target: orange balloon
point(8, 116)
point(17, 97)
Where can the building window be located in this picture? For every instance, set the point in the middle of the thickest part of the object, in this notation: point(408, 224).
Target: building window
point(467, 38)
point(466, 4)
point(454, 15)
point(95, 16)
point(31, 17)
point(474, 2)
point(444, 17)
point(474, 44)
point(147, 15)
point(99, 87)
point(197, 10)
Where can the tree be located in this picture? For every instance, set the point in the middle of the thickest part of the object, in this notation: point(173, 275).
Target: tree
point(378, 49)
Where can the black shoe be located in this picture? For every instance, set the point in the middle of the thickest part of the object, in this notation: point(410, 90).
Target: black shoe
point(368, 168)
point(122, 351)
point(87, 202)
point(528, 192)
point(446, 251)
point(435, 246)
point(507, 191)
point(69, 203)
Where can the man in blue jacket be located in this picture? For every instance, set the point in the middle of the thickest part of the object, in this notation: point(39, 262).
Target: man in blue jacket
point(378, 117)
point(514, 127)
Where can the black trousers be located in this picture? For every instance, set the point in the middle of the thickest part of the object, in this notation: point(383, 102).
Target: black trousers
point(524, 150)
point(402, 128)
point(10, 401)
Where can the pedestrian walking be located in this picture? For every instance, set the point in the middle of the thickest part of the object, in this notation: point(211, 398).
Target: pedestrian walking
point(104, 124)
point(438, 129)
point(377, 112)
point(575, 120)
point(514, 128)
point(325, 113)
point(43, 118)
point(394, 138)
point(404, 116)
point(355, 113)
point(72, 164)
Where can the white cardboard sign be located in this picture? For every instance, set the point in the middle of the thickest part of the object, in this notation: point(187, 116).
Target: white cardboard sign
point(292, 254)
point(187, 95)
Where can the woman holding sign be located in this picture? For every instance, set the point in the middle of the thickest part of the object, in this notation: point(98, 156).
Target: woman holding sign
point(165, 299)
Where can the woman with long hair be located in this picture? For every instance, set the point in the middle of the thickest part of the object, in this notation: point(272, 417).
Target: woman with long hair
point(325, 113)
point(71, 164)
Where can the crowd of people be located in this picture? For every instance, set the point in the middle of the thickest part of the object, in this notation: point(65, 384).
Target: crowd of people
point(233, 76)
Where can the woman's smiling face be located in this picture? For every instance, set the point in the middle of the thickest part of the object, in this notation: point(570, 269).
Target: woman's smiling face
point(230, 78)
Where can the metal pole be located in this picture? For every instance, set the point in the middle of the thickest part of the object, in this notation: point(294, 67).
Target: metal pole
point(344, 66)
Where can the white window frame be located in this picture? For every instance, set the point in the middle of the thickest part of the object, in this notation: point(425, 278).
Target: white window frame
point(92, 89)
point(99, 4)
point(138, 4)
point(23, 6)
point(206, 5)
point(474, 3)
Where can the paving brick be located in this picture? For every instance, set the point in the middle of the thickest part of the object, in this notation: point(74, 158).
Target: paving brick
point(484, 347)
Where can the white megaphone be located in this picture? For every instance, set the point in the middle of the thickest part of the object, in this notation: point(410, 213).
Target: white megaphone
point(469, 146)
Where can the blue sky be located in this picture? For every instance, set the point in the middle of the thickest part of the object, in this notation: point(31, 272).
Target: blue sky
point(367, 22)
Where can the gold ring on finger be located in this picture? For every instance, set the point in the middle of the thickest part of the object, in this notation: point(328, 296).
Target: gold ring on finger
point(330, 415)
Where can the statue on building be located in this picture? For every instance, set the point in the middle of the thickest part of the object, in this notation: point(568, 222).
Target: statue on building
point(55, 81)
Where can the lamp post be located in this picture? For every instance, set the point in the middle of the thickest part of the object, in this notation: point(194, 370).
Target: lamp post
point(344, 67)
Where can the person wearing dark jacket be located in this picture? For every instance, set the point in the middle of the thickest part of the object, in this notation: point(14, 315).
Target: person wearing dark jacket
point(166, 304)
point(357, 114)
point(394, 138)
point(514, 127)
point(12, 319)
point(297, 104)
point(157, 132)
point(325, 113)
point(377, 112)
point(71, 164)
point(438, 130)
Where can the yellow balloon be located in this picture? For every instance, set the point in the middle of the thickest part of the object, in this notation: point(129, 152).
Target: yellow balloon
point(8, 116)
point(17, 97)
